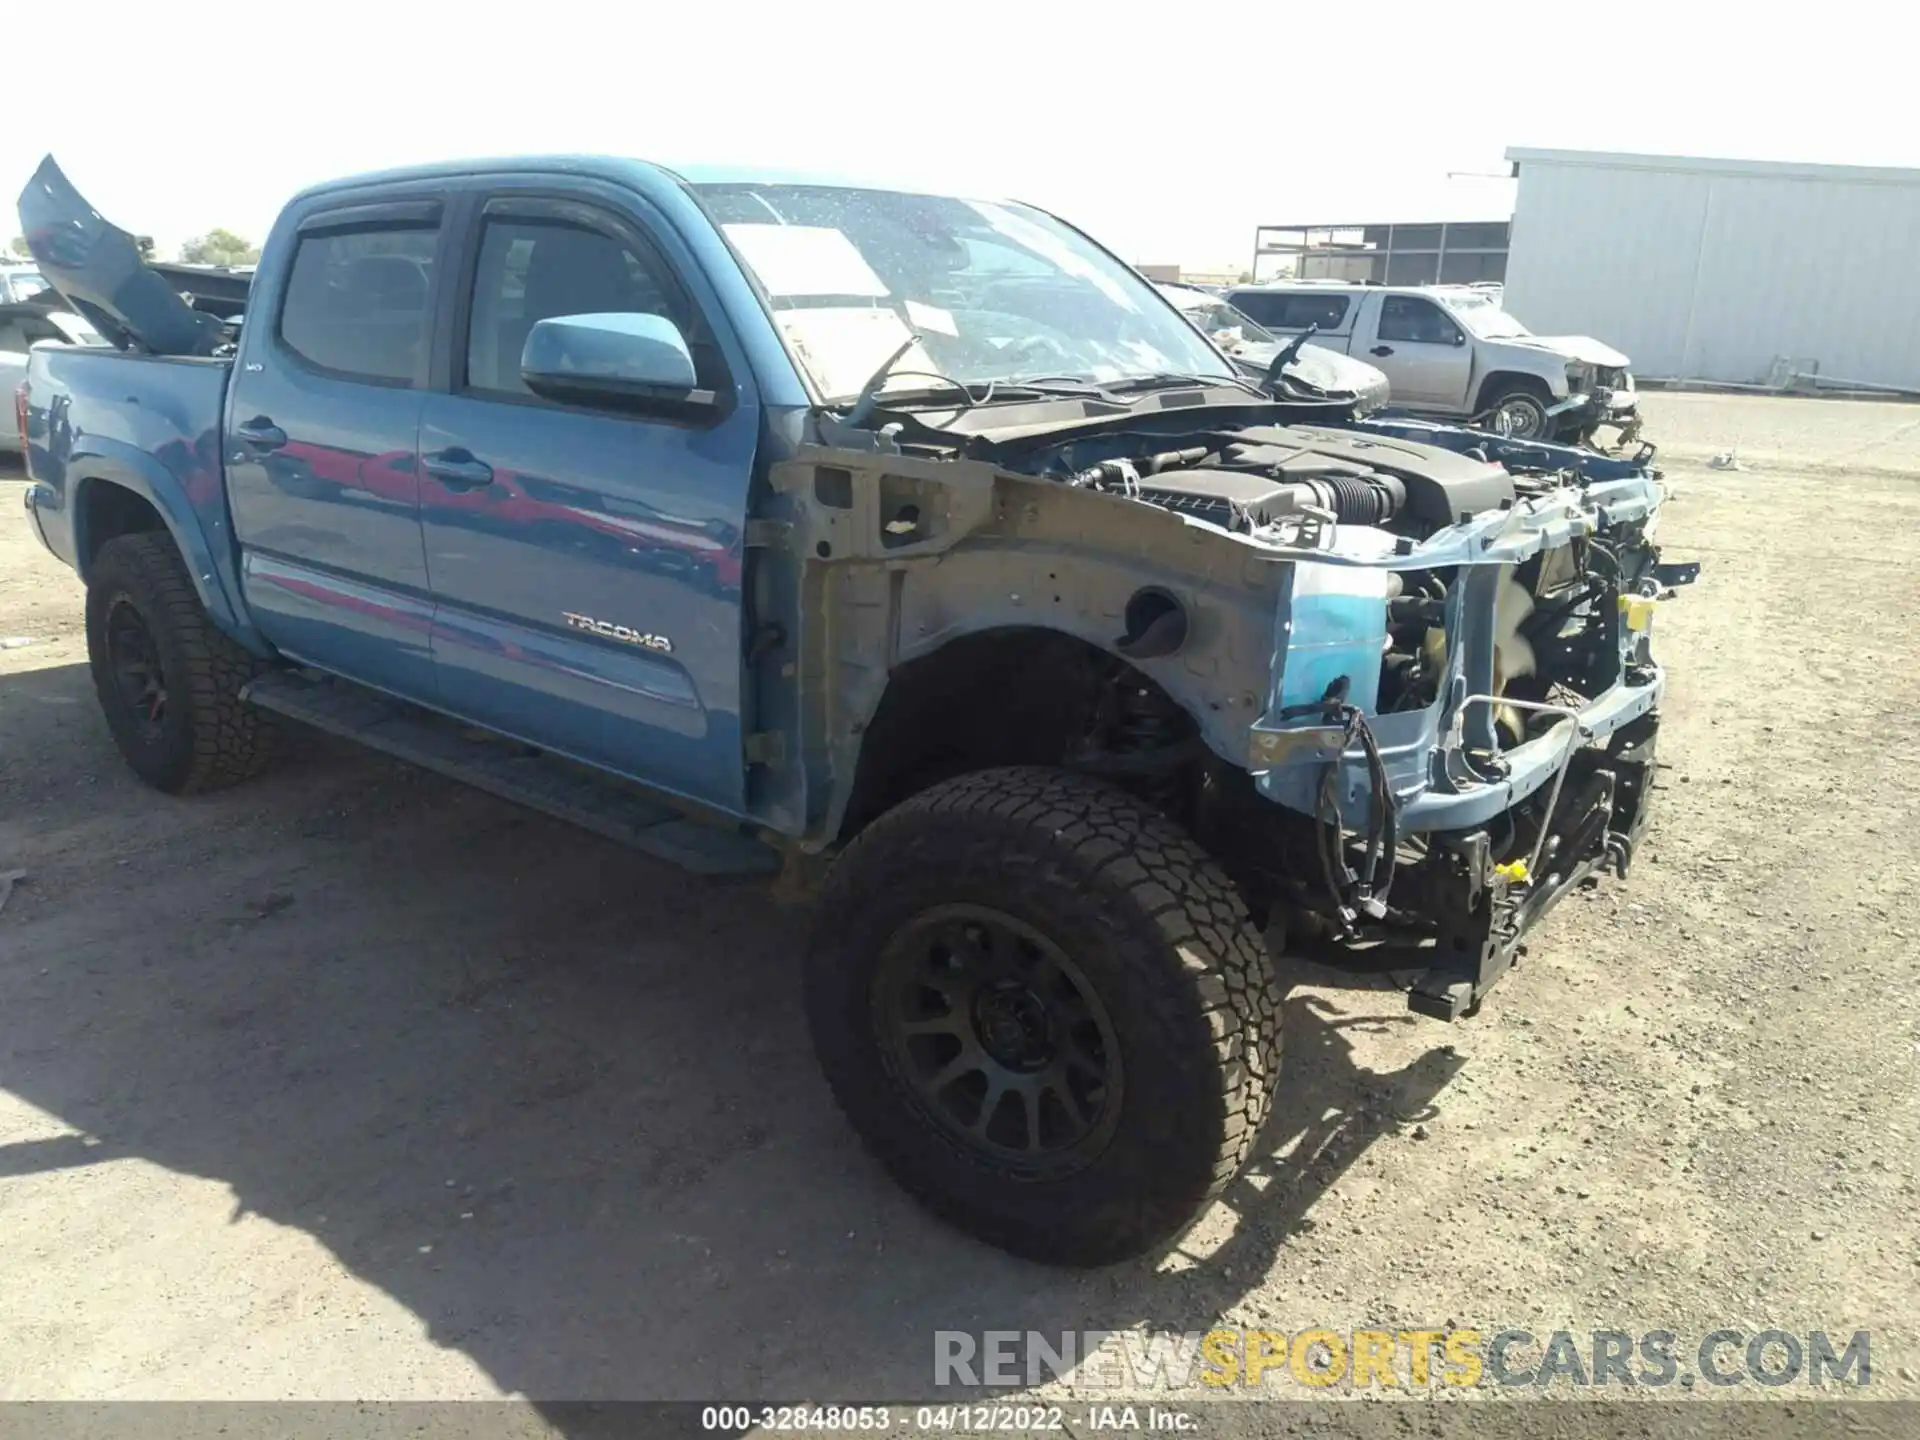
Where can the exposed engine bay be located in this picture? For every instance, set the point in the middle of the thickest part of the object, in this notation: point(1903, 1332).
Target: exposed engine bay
point(1445, 720)
point(1248, 484)
point(1502, 751)
point(1552, 631)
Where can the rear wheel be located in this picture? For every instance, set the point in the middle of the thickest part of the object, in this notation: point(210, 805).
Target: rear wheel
point(169, 682)
point(1044, 1009)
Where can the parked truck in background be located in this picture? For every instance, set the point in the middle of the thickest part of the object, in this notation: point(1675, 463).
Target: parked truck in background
point(910, 546)
point(22, 327)
point(19, 282)
point(1310, 371)
point(1452, 352)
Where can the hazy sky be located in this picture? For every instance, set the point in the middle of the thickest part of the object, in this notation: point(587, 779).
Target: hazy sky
point(1167, 130)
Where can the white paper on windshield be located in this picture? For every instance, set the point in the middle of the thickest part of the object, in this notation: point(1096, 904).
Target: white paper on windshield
point(795, 260)
point(931, 317)
point(842, 346)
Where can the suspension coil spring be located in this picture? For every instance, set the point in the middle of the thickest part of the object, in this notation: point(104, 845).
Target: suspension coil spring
point(1147, 719)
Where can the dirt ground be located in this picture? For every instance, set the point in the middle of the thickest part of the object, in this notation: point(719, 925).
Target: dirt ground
point(354, 1084)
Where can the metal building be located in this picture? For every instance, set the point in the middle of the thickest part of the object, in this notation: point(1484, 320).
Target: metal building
point(1727, 270)
point(1460, 252)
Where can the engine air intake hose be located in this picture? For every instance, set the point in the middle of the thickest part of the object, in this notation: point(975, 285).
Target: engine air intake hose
point(1235, 500)
point(1361, 499)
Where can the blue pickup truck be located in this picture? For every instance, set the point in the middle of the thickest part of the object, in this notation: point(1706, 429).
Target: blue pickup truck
point(908, 549)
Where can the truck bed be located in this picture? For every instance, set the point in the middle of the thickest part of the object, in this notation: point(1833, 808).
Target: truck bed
point(147, 423)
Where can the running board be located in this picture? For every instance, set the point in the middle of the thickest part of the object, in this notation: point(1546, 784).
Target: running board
point(511, 771)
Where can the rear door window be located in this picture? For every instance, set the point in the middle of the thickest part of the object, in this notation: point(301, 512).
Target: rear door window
point(1414, 321)
point(1329, 312)
point(1279, 310)
point(357, 302)
point(1262, 306)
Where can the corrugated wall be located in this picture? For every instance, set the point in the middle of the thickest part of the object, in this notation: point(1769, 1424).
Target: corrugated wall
point(1715, 276)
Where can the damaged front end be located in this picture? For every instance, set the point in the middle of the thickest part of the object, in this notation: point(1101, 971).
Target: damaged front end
point(1461, 703)
point(1503, 750)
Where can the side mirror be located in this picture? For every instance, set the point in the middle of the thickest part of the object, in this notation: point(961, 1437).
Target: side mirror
point(631, 361)
point(1459, 338)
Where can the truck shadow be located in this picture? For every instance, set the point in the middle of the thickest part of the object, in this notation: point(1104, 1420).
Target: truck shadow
point(553, 1098)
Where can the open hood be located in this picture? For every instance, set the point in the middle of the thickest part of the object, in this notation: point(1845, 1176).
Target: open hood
point(97, 269)
point(1329, 372)
point(1583, 348)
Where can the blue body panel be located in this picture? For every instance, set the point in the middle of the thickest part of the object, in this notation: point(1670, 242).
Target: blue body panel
point(161, 443)
point(588, 592)
point(636, 521)
point(362, 562)
point(342, 551)
point(633, 523)
point(98, 269)
point(329, 520)
point(333, 517)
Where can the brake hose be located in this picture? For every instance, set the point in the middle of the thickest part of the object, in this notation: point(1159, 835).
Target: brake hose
point(1363, 892)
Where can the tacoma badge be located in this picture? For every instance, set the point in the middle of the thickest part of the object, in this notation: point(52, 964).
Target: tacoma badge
point(618, 632)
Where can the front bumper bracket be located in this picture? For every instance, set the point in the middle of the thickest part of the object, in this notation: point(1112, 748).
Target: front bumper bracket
point(1484, 911)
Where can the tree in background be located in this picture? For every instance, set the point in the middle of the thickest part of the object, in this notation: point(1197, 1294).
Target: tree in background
point(18, 246)
point(219, 247)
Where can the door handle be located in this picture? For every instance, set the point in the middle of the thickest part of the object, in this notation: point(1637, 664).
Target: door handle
point(261, 433)
point(1381, 350)
point(456, 469)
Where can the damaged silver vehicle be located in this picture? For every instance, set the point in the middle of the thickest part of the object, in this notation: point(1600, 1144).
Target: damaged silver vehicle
point(912, 547)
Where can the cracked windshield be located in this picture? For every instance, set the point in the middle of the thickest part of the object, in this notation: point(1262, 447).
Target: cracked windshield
point(992, 292)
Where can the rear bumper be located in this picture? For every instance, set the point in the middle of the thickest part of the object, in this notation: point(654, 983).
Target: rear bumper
point(37, 499)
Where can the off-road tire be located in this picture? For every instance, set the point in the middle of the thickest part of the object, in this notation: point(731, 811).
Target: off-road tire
point(208, 737)
point(1147, 917)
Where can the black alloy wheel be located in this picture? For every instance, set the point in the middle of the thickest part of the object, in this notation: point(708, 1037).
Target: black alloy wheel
point(1003, 1041)
point(133, 660)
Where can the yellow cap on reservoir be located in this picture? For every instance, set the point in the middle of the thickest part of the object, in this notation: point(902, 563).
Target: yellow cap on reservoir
point(1639, 611)
point(1514, 871)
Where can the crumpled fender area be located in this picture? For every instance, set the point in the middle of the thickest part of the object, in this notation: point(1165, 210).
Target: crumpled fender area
point(878, 560)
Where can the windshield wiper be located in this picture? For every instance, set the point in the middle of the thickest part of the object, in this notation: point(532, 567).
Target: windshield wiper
point(1169, 380)
point(1066, 386)
point(961, 395)
point(1289, 353)
point(868, 400)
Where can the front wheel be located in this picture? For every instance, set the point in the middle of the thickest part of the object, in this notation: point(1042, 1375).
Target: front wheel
point(1044, 1009)
point(1519, 414)
point(169, 682)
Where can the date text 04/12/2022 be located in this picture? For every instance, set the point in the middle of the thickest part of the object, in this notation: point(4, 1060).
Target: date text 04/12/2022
point(933, 1419)
point(1024, 1418)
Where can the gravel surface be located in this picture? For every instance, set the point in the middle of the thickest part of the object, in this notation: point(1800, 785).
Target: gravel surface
point(355, 1084)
